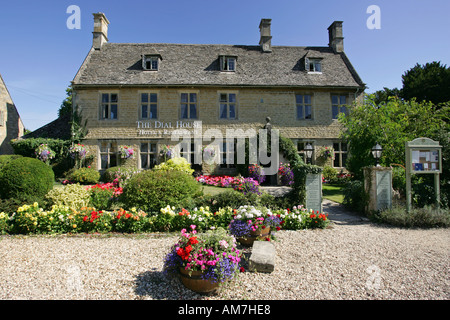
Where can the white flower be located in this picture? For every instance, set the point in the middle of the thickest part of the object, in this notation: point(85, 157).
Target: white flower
point(238, 216)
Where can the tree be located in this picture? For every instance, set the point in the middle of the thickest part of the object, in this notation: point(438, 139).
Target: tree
point(66, 105)
point(390, 124)
point(429, 82)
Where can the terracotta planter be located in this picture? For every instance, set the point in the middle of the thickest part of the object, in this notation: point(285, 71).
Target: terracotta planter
point(195, 283)
point(254, 235)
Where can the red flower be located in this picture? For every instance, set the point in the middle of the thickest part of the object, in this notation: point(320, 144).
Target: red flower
point(241, 269)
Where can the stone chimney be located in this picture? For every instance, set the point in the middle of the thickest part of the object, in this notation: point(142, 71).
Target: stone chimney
point(336, 38)
point(266, 38)
point(100, 30)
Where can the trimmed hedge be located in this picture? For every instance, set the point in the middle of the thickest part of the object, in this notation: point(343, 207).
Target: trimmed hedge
point(25, 178)
point(152, 190)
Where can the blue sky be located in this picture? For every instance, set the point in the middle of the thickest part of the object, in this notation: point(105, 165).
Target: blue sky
point(39, 55)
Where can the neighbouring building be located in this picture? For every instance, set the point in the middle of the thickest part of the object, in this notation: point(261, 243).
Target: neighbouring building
point(136, 94)
point(11, 125)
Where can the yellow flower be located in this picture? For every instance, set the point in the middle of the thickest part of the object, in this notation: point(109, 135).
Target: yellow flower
point(35, 204)
point(74, 226)
point(35, 223)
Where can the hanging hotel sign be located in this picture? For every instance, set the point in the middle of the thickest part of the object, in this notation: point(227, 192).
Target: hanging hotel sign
point(159, 128)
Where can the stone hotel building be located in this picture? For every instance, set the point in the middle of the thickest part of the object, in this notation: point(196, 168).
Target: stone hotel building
point(137, 94)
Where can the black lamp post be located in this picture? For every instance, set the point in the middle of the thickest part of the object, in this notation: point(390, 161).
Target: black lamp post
point(377, 150)
point(309, 151)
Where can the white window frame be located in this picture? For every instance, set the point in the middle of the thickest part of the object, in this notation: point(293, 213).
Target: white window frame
point(148, 154)
point(313, 65)
point(228, 63)
point(339, 153)
point(111, 150)
point(151, 59)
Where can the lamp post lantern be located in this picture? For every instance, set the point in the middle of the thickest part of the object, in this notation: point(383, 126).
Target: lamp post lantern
point(309, 151)
point(377, 150)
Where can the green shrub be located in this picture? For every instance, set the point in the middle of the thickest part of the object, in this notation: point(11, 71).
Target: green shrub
point(119, 175)
point(7, 158)
point(329, 173)
point(178, 164)
point(101, 199)
point(152, 190)
point(355, 197)
point(426, 217)
point(228, 198)
point(74, 196)
point(83, 176)
point(26, 178)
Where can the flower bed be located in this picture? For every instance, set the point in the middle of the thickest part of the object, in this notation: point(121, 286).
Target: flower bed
point(33, 219)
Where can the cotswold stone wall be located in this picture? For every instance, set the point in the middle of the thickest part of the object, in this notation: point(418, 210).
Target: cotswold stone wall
point(253, 107)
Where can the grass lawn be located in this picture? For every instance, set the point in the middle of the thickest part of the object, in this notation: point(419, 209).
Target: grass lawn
point(211, 190)
point(333, 192)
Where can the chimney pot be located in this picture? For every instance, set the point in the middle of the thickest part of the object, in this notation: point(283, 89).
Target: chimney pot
point(266, 39)
point(336, 38)
point(100, 34)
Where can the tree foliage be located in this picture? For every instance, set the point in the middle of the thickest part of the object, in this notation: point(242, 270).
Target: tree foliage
point(390, 124)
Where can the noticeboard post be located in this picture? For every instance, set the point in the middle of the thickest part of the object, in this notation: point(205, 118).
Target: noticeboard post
point(423, 156)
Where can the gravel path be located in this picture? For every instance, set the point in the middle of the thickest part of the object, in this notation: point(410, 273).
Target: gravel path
point(347, 261)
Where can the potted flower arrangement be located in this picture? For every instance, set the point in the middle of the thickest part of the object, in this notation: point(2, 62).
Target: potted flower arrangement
point(126, 152)
point(78, 153)
point(285, 174)
point(44, 153)
point(327, 153)
point(249, 224)
point(203, 260)
point(166, 152)
point(256, 172)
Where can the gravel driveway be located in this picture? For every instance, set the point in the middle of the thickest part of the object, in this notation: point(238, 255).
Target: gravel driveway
point(353, 260)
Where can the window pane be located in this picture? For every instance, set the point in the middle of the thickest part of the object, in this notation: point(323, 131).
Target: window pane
point(335, 112)
point(317, 67)
point(144, 111)
point(232, 97)
point(193, 97)
point(105, 111)
point(343, 147)
point(223, 111)
point(184, 97)
point(298, 98)
point(344, 110)
point(113, 97)
point(144, 97)
point(184, 111)
point(232, 111)
point(154, 64)
point(336, 161)
point(153, 111)
point(223, 97)
point(144, 161)
point(307, 99)
point(193, 111)
point(114, 111)
point(153, 97)
point(105, 97)
point(300, 146)
point(336, 147)
point(104, 160)
point(152, 160)
point(144, 147)
point(112, 160)
point(231, 64)
point(153, 147)
point(334, 100)
point(300, 112)
point(343, 100)
point(308, 113)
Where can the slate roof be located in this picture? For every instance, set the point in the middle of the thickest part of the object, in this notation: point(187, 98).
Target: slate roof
point(198, 65)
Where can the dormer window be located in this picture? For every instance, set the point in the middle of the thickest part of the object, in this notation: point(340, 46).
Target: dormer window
point(227, 63)
point(150, 62)
point(313, 65)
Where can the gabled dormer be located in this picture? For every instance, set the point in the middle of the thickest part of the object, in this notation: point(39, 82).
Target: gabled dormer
point(151, 61)
point(227, 63)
